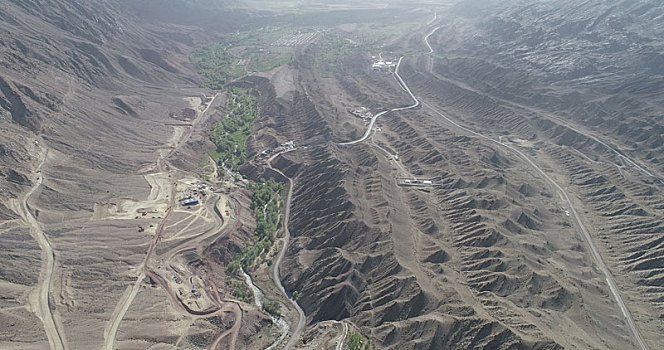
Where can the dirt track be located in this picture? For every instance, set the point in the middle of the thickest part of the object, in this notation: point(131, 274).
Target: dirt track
point(39, 300)
point(583, 230)
point(162, 166)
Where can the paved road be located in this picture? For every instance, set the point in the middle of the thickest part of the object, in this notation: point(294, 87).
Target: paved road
point(426, 40)
point(626, 160)
point(44, 312)
point(297, 330)
point(416, 103)
point(435, 17)
point(584, 231)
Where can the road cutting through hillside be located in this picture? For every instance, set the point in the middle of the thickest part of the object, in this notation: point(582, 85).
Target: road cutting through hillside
point(275, 272)
point(39, 299)
point(625, 160)
point(416, 103)
point(584, 231)
point(295, 335)
point(233, 331)
point(426, 40)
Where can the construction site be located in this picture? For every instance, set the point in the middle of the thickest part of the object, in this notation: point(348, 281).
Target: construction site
point(286, 175)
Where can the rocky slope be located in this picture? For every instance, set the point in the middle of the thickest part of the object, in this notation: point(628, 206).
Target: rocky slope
point(582, 80)
point(91, 87)
point(492, 259)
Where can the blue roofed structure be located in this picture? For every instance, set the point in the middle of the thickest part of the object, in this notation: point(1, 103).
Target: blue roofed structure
point(190, 201)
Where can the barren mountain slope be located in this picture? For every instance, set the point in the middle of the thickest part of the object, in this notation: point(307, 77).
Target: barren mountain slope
point(586, 79)
point(508, 196)
point(92, 93)
point(494, 257)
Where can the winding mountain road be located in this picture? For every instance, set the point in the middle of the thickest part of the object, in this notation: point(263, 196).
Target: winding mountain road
point(416, 103)
point(302, 318)
point(426, 40)
point(41, 299)
point(563, 194)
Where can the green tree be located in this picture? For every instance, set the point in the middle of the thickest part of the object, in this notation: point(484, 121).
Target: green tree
point(272, 307)
point(230, 134)
point(266, 204)
point(357, 342)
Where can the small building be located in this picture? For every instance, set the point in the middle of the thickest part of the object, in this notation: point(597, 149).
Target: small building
point(433, 182)
point(190, 201)
point(383, 65)
point(290, 145)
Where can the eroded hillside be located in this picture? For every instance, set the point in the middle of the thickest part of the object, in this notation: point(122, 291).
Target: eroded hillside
point(443, 175)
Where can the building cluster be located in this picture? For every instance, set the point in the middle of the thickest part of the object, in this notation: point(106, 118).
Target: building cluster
point(194, 192)
point(419, 182)
point(264, 155)
point(296, 39)
point(288, 146)
point(361, 112)
point(383, 65)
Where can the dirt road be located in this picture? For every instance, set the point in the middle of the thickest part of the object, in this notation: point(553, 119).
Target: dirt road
point(39, 299)
point(162, 165)
point(342, 337)
point(426, 40)
point(233, 331)
point(297, 330)
point(583, 230)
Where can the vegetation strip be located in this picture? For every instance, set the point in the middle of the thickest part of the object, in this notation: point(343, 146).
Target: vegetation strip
point(266, 204)
point(232, 131)
point(239, 54)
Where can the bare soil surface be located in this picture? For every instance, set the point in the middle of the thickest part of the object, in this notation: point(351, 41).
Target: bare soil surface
point(504, 193)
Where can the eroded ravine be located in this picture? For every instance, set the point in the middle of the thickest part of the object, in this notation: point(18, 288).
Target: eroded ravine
point(275, 272)
point(587, 238)
point(258, 301)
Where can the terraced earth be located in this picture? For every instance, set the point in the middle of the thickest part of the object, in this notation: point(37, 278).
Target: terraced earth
point(538, 123)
